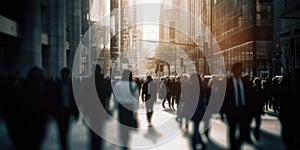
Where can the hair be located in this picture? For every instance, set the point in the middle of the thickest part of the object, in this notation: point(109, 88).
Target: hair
point(65, 70)
point(98, 69)
point(258, 80)
point(236, 65)
point(149, 78)
point(35, 72)
point(127, 75)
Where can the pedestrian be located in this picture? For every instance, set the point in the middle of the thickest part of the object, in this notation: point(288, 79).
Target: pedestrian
point(104, 90)
point(257, 105)
point(196, 108)
point(236, 107)
point(126, 98)
point(149, 95)
point(65, 108)
point(288, 97)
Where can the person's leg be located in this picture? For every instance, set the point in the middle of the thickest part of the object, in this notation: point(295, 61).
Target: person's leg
point(206, 127)
point(232, 129)
point(172, 101)
point(169, 101)
point(244, 130)
point(63, 125)
point(149, 115)
point(95, 141)
point(257, 126)
point(125, 138)
point(196, 139)
point(163, 103)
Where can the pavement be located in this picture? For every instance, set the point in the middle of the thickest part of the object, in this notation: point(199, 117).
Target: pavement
point(165, 134)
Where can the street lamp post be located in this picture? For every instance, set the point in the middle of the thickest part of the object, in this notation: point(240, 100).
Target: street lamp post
point(175, 61)
point(89, 48)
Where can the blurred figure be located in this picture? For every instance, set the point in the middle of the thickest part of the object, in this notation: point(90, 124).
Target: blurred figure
point(104, 90)
point(65, 106)
point(12, 110)
point(162, 90)
point(168, 97)
point(275, 94)
point(139, 84)
point(205, 92)
point(183, 99)
point(289, 100)
point(149, 95)
point(197, 104)
point(176, 92)
point(236, 107)
point(173, 91)
point(267, 84)
point(257, 105)
point(126, 95)
point(27, 112)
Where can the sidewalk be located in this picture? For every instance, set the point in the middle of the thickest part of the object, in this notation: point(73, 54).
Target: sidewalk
point(165, 134)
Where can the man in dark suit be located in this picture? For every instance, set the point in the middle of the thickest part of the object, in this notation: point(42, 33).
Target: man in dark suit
point(236, 107)
point(149, 97)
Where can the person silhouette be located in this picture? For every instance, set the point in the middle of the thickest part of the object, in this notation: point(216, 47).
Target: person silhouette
point(126, 97)
point(149, 95)
point(236, 106)
point(104, 90)
point(32, 110)
point(65, 106)
point(197, 104)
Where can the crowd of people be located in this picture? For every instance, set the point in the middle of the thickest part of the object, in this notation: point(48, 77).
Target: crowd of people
point(28, 103)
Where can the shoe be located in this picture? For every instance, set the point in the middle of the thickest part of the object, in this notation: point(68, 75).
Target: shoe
point(150, 126)
point(249, 140)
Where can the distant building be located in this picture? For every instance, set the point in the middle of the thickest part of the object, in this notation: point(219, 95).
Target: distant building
point(125, 35)
point(243, 30)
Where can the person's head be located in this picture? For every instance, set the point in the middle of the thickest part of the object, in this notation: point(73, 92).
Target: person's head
point(64, 73)
point(149, 78)
point(98, 69)
point(127, 75)
point(257, 82)
point(35, 73)
point(237, 69)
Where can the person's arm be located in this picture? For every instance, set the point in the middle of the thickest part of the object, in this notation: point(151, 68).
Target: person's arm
point(115, 104)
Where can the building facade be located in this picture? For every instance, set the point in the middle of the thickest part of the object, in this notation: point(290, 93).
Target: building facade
point(286, 44)
point(39, 33)
point(243, 30)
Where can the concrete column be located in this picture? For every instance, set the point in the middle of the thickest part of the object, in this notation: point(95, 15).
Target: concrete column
point(57, 37)
point(30, 51)
point(73, 14)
